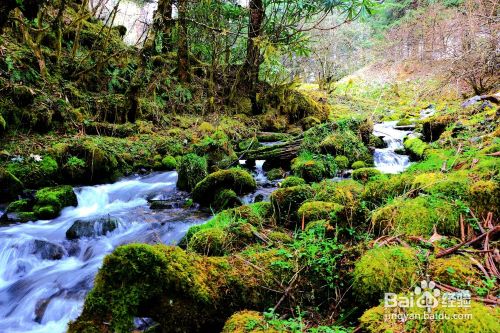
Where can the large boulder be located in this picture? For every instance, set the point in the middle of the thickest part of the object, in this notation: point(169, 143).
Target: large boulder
point(91, 228)
point(237, 180)
point(287, 201)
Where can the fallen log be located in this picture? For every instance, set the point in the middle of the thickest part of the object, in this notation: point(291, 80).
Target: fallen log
point(285, 151)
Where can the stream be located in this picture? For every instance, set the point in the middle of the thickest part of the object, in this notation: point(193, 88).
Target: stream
point(44, 277)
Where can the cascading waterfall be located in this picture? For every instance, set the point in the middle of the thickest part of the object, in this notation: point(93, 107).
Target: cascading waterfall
point(386, 159)
point(44, 277)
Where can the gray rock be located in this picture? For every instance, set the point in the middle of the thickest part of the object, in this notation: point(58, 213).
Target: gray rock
point(47, 250)
point(91, 228)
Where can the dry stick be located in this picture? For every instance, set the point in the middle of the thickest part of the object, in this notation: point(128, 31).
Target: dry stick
point(290, 286)
point(462, 228)
point(472, 241)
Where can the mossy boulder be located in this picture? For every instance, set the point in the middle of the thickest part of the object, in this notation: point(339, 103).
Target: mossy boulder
point(365, 174)
point(209, 241)
point(225, 199)
point(23, 205)
point(178, 289)
point(456, 270)
point(378, 191)
point(390, 269)
point(276, 173)
point(292, 181)
point(417, 216)
point(309, 168)
point(287, 201)
point(191, 169)
point(169, 163)
point(319, 210)
point(416, 148)
point(377, 142)
point(453, 185)
point(248, 322)
point(484, 197)
point(476, 318)
point(50, 201)
point(346, 143)
point(346, 193)
point(237, 180)
point(433, 127)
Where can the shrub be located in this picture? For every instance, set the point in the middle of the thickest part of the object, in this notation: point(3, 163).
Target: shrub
point(191, 169)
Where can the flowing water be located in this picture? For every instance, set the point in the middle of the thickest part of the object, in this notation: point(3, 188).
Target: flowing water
point(386, 159)
point(44, 277)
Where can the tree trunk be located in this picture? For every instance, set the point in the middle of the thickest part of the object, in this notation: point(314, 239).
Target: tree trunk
point(183, 48)
point(253, 58)
point(163, 26)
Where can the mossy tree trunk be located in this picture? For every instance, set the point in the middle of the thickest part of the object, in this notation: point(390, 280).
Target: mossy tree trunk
point(163, 26)
point(253, 58)
point(183, 47)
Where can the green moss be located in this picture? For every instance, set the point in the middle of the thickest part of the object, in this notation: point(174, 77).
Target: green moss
point(309, 168)
point(286, 202)
point(416, 217)
point(456, 270)
point(377, 142)
point(247, 322)
point(358, 165)
point(51, 200)
point(342, 162)
point(247, 144)
point(169, 162)
point(191, 169)
point(22, 205)
point(484, 197)
point(433, 127)
point(319, 210)
point(346, 143)
point(74, 168)
point(292, 181)
point(238, 180)
point(365, 174)
point(434, 160)
point(309, 122)
point(217, 149)
point(404, 122)
point(210, 241)
point(3, 124)
point(416, 148)
point(346, 193)
point(453, 185)
point(383, 189)
point(225, 199)
point(382, 270)
point(275, 174)
point(279, 237)
point(178, 288)
point(476, 318)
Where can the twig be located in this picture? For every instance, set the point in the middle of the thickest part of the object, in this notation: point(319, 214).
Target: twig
point(472, 241)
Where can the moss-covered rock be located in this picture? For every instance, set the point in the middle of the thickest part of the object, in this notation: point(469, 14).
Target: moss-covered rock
point(178, 289)
point(476, 318)
point(51, 200)
point(309, 168)
point(453, 185)
point(292, 181)
point(238, 180)
point(345, 143)
point(484, 197)
point(417, 217)
point(169, 162)
point(248, 322)
point(91, 228)
point(346, 193)
point(287, 201)
point(456, 270)
point(225, 199)
point(416, 148)
point(319, 210)
point(377, 142)
point(387, 187)
point(275, 174)
point(433, 127)
point(365, 174)
point(358, 165)
point(191, 169)
point(391, 269)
